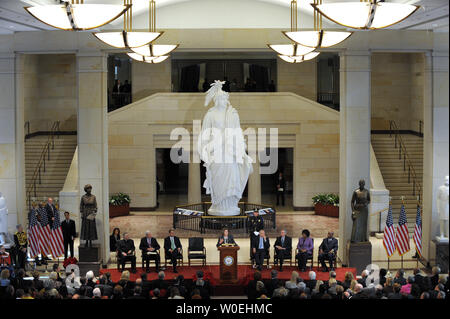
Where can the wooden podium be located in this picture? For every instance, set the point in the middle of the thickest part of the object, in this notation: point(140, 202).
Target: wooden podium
point(228, 264)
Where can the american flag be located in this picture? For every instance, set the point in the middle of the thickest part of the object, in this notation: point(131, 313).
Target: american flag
point(389, 234)
point(56, 243)
point(418, 232)
point(34, 234)
point(45, 231)
point(402, 234)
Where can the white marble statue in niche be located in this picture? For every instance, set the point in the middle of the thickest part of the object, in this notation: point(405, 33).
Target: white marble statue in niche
point(3, 219)
point(442, 208)
point(222, 147)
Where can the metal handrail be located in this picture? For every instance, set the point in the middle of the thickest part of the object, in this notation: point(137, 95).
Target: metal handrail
point(45, 155)
point(27, 127)
point(393, 129)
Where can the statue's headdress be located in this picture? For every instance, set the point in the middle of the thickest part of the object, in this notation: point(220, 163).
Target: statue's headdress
point(215, 91)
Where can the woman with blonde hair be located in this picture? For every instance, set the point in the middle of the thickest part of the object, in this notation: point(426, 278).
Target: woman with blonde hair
point(292, 283)
point(347, 280)
point(353, 285)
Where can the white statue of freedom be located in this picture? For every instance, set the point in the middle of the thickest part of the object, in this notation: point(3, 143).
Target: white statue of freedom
point(222, 147)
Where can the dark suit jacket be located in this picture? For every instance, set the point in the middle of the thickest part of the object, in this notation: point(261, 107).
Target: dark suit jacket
point(50, 213)
point(230, 240)
point(329, 246)
point(167, 243)
point(68, 229)
point(287, 243)
point(255, 243)
point(281, 182)
point(123, 246)
point(144, 244)
point(113, 243)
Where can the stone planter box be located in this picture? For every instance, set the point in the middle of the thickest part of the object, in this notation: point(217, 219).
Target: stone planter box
point(122, 210)
point(326, 210)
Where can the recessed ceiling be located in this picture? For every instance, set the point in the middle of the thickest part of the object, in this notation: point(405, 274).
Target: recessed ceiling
point(432, 16)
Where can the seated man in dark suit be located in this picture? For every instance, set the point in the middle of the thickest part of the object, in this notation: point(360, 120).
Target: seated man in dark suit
point(126, 250)
point(225, 239)
point(149, 247)
point(260, 248)
point(328, 251)
point(160, 283)
point(283, 248)
point(172, 248)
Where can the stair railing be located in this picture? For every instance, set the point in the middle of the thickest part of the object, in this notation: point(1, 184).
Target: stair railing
point(36, 178)
point(407, 164)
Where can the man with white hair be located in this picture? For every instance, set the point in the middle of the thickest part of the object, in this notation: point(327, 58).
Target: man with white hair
point(150, 250)
point(97, 293)
point(311, 283)
point(363, 279)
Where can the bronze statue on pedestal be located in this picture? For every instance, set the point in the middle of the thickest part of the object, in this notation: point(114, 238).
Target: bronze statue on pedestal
point(88, 211)
point(360, 213)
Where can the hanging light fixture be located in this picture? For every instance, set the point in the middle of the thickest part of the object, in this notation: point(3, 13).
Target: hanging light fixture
point(127, 38)
point(293, 53)
point(75, 15)
point(366, 14)
point(318, 38)
point(299, 58)
point(147, 59)
point(150, 49)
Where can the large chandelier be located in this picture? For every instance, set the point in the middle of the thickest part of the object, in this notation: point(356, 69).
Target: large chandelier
point(127, 38)
point(366, 14)
point(318, 38)
point(147, 59)
point(153, 52)
point(293, 53)
point(76, 15)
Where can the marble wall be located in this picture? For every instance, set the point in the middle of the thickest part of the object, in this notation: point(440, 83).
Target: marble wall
point(50, 91)
point(148, 79)
point(299, 78)
point(397, 90)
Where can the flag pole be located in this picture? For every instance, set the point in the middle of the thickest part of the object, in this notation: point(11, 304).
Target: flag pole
point(403, 204)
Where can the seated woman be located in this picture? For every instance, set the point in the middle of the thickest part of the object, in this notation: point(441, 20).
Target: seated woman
point(113, 239)
point(305, 248)
point(226, 238)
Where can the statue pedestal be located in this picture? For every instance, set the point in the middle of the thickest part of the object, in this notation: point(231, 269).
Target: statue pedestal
point(89, 254)
point(359, 255)
point(89, 259)
point(442, 255)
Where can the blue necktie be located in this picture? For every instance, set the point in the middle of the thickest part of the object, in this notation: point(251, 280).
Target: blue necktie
point(261, 244)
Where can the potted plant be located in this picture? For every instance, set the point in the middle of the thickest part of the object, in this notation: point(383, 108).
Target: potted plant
point(119, 205)
point(326, 205)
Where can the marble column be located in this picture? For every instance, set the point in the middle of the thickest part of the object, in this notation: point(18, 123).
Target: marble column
point(254, 183)
point(436, 142)
point(93, 138)
point(194, 183)
point(12, 158)
point(354, 155)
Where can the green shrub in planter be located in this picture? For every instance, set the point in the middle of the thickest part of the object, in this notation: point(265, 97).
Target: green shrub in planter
point(326, 199)
point(119, 199)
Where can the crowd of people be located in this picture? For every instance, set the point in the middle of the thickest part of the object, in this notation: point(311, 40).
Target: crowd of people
point(15, 285)
point(386, 286)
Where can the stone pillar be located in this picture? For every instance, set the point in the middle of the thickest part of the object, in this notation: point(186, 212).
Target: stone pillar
point(194, 183)
point(93, 138)
point(436, 143)
point(354, 155)
point(12, 158)
point(254, 183)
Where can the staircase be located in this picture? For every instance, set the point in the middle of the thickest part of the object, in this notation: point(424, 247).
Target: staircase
point(395, 178)
point(52, 180)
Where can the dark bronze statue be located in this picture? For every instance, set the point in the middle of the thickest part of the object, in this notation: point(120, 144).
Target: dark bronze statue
point(360, 213)
point(88, 211)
